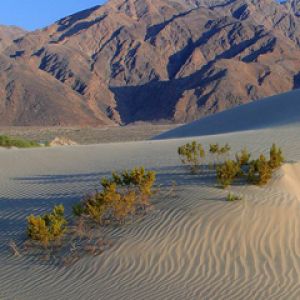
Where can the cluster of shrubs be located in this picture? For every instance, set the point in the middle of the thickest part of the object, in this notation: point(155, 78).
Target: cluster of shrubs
point(193, 154)
point(257, 171)
point(7, 142)
point(47, 227)
point(123, 195)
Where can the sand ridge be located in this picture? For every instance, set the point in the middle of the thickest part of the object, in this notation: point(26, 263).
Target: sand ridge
point(289, 179)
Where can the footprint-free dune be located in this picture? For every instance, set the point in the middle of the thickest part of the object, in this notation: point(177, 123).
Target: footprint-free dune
point(195, 245)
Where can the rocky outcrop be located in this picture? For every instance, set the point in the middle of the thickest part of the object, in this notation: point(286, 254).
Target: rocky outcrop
point(152, 60)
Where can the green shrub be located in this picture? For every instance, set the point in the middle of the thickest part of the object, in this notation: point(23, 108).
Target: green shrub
point(217, 149)
point(260, 171)
point(243, 157)
point(227, 172)
point(120, 197)
point(220, 152)
point(47, 227)
point(276, 157)
point(78, 209)
point(138, 177)
point(6, 141)
point(231, 197)
point(191, 154)
point(225, 149)
point(214, 148)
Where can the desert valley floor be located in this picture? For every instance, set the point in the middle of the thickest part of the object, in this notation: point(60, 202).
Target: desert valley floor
point(194, 245)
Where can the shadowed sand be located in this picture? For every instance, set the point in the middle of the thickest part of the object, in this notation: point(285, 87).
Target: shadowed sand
point(279, 110)
point(195, 245)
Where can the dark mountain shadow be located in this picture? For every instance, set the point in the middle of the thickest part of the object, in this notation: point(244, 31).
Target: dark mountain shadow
point(241, 13)
point(177, 60)
point(154, 30)
point(296, 81)
point(79, 27)
point(267, 47)
point(141, 102)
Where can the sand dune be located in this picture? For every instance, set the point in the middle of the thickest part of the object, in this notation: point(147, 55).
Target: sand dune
point(289, 180)
point(195, 245)
point(279, 110)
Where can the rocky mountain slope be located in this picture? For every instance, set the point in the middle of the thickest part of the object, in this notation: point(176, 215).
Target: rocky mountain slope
point(8, 34)
point(151, 60)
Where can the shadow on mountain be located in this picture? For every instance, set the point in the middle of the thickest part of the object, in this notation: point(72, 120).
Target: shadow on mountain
point(154, 30)
point(80, 26)
point(70, 20)
point(140, 103)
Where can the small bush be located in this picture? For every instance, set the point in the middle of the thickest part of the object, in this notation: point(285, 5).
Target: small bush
point(78, 209)
point(260, 171)
point(217, 149)
point(219, 152)
point(225, 149)
point(191, 154)
point(48, 227)
point(231, 197)
point(139, 178)
point(122, 195)
point(243, 157)
point(276, 157)
point(227, 172)
point(6, 141)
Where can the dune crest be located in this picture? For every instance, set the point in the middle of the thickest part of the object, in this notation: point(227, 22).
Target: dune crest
point(289, 180)
point(276, 111)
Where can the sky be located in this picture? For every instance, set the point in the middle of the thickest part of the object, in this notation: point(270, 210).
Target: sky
point(34, 14)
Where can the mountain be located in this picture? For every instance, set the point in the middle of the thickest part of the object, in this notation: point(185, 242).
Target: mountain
point(151, 60)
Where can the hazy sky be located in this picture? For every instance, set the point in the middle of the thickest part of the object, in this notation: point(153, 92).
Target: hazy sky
point(33, 14)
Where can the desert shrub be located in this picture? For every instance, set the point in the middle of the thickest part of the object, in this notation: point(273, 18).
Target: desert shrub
point(227, 172)
point(219, 152)
point(121, 196)
point(276, 157)
point(231, 197)
point(260, 171)
point(7, 141)
point(138, 178)
point(214, 148)
point(217, 149)
point(47, 227)
point(191, 154)
point(243, 158)
point(78, 209)
point(225, 149)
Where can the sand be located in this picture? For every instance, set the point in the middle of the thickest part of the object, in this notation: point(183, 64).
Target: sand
point(279, 110)
point(195, 245)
